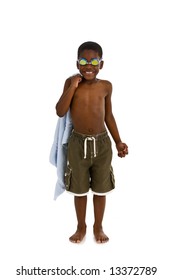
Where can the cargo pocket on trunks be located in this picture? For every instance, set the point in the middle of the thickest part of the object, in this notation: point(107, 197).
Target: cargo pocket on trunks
point(67, 177)
point(112, 177)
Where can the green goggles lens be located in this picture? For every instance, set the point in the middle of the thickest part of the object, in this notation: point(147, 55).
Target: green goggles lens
point(94, 61)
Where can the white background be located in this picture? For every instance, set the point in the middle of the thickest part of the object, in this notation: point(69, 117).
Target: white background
point(39, 41)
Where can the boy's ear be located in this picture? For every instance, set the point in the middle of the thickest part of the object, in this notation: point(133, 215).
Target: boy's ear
point(101, 64)
point(77, 64)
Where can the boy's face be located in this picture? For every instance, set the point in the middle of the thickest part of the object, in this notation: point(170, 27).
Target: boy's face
point(89, 71)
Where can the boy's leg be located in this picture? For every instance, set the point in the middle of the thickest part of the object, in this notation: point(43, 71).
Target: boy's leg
point(80, 206)
point(99, 208)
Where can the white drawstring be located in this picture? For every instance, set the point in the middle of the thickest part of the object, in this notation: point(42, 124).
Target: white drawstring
point(85, 145)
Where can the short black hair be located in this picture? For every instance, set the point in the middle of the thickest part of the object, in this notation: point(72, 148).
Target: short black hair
point(90, 46)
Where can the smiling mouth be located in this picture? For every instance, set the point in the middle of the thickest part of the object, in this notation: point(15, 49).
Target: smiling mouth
point(88, 72)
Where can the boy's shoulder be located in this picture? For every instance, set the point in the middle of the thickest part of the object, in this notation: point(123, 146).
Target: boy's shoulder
point(106, 83)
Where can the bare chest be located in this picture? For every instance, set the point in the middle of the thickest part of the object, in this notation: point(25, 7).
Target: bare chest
point(88, 96)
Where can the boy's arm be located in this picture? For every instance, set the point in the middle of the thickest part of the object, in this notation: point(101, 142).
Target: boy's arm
point(112, 126)
point(64, 102)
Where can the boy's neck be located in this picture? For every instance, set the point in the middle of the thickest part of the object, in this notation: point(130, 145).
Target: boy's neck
point(90, 81)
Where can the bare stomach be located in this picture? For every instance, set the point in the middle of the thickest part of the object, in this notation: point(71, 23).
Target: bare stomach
point(89, 130)
point(88, 118)
point(89, 125)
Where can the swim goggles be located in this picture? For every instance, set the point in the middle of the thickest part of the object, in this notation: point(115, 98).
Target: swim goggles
point(93, 61)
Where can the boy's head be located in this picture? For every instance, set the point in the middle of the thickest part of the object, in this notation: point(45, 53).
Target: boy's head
point(89, 60)
point(90, 46)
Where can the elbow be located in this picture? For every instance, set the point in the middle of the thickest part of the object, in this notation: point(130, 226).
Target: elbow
point(60, 113)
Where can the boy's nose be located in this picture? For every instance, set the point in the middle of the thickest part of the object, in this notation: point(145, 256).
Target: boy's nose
point(89, 66)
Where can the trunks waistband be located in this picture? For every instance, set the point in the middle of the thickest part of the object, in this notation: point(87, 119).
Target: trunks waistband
point(93, 138)
point(99, 136)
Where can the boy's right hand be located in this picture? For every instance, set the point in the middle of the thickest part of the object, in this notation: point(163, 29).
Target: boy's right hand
point(75, 80)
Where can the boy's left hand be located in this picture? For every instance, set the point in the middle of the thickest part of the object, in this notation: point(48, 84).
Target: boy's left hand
point(122, 149)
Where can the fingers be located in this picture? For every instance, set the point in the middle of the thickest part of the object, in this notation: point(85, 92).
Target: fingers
point(77, 76)
point(80, 79)
point(123, 152)
point(76, 79)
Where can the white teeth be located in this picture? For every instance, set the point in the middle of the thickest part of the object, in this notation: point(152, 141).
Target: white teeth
point(88, 72)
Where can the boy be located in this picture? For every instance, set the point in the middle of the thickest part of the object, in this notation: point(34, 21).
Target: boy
point(89, 148)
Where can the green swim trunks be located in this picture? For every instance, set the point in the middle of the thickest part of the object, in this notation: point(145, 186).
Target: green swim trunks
point(89, 164)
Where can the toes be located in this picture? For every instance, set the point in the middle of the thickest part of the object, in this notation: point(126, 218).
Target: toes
point(74, 240)
point(101, 237)
point(102, 240)
point(77, 237)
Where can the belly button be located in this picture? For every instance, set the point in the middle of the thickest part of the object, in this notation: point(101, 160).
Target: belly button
point(90, 130)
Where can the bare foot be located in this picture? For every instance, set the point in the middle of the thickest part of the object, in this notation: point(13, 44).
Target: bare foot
point(78, 236)
point(100, 236)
